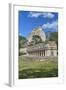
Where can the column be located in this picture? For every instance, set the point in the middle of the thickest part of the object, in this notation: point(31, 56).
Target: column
point(43, 52)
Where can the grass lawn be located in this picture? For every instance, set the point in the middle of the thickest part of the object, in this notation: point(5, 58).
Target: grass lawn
point(37, 69)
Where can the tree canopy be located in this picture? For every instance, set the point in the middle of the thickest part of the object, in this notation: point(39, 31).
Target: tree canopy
point(22, 41)
point(36, 39)
point(54, 37)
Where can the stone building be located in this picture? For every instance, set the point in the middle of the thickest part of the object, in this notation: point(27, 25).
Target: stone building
point(42, 48)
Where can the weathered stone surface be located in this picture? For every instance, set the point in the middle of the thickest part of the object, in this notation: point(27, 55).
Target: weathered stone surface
point(44, 48)
point(38, 31)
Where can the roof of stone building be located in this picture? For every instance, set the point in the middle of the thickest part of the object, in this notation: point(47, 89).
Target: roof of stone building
point(42, 46)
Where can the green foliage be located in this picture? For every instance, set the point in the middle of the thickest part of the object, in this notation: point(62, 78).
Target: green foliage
point(38, 73)
point(54, 37)
point(29, 68)
point(36, 39)
point(22, 41)
point(21, 53)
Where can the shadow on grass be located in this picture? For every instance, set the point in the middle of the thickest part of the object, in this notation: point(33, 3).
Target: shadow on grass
point(38, 73)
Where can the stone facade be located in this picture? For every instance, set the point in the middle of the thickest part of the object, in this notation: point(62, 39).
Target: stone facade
point(44, 48)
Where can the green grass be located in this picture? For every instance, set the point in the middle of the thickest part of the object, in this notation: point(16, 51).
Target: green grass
point(29, 68)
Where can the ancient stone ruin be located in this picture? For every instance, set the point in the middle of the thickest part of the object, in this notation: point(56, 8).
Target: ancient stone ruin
point(37, 45)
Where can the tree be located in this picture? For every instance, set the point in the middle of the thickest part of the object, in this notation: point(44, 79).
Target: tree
point(22, 41)
point(54, 37)
point(36, 39)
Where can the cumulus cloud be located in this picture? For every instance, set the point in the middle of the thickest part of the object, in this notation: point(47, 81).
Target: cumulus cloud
point(33, 14)
point(44, 14)
point(48, 15)
point(53, 25)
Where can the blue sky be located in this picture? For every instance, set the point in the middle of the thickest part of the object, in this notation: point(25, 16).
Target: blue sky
point(28, 20)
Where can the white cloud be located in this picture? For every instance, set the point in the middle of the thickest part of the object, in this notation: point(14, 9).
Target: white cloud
point(44, 14)
point(48, 15)
point(53, 25)
point(33, 14)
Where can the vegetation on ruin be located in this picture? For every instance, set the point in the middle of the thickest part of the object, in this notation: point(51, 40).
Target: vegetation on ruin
point(54, 37)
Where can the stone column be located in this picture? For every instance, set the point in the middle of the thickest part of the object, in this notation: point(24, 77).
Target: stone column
point(38, 53)
point(43, 53)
